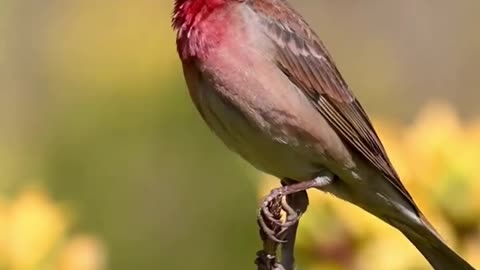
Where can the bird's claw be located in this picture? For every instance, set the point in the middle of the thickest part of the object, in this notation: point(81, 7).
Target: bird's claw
point(270, 218)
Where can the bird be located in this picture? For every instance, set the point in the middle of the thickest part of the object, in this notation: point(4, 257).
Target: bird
point(265, 84)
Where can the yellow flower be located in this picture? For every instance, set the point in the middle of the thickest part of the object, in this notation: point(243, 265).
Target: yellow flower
point(34, 226)
point(33, 236)
point(83, 253)
point(392, 252)
point(3, 232)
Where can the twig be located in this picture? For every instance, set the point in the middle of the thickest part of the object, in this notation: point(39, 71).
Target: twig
point(267, 257)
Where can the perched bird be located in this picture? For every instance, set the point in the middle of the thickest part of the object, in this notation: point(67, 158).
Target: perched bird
point(265, 84)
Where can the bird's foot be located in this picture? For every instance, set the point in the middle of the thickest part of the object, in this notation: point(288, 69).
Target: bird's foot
point(270, 218)
point(274, 230)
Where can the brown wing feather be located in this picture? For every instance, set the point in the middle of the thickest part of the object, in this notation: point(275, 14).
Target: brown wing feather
point(304, 59)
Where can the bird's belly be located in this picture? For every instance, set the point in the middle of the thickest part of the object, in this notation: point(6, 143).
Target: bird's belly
point(266, 148)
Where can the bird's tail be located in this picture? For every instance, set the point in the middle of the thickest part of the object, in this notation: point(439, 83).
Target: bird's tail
point(433, 248)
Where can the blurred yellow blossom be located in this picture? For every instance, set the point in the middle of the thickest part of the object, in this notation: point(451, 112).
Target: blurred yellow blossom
point(33, 232)
point(82, 253)
point(35, 226)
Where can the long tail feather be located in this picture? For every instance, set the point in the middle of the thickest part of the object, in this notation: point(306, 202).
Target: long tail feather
point(434, 249)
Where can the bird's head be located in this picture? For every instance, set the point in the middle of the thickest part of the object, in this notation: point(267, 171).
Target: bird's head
point(187, 13)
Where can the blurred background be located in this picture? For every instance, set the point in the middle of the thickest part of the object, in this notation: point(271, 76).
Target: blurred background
point(105, 164)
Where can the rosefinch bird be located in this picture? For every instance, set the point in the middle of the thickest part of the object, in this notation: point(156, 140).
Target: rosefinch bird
point(265, 84)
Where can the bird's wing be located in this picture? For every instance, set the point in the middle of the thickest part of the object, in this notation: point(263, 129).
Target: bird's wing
point(306, 62)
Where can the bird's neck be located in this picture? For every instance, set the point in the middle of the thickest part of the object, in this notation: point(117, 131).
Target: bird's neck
point(196, 30)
